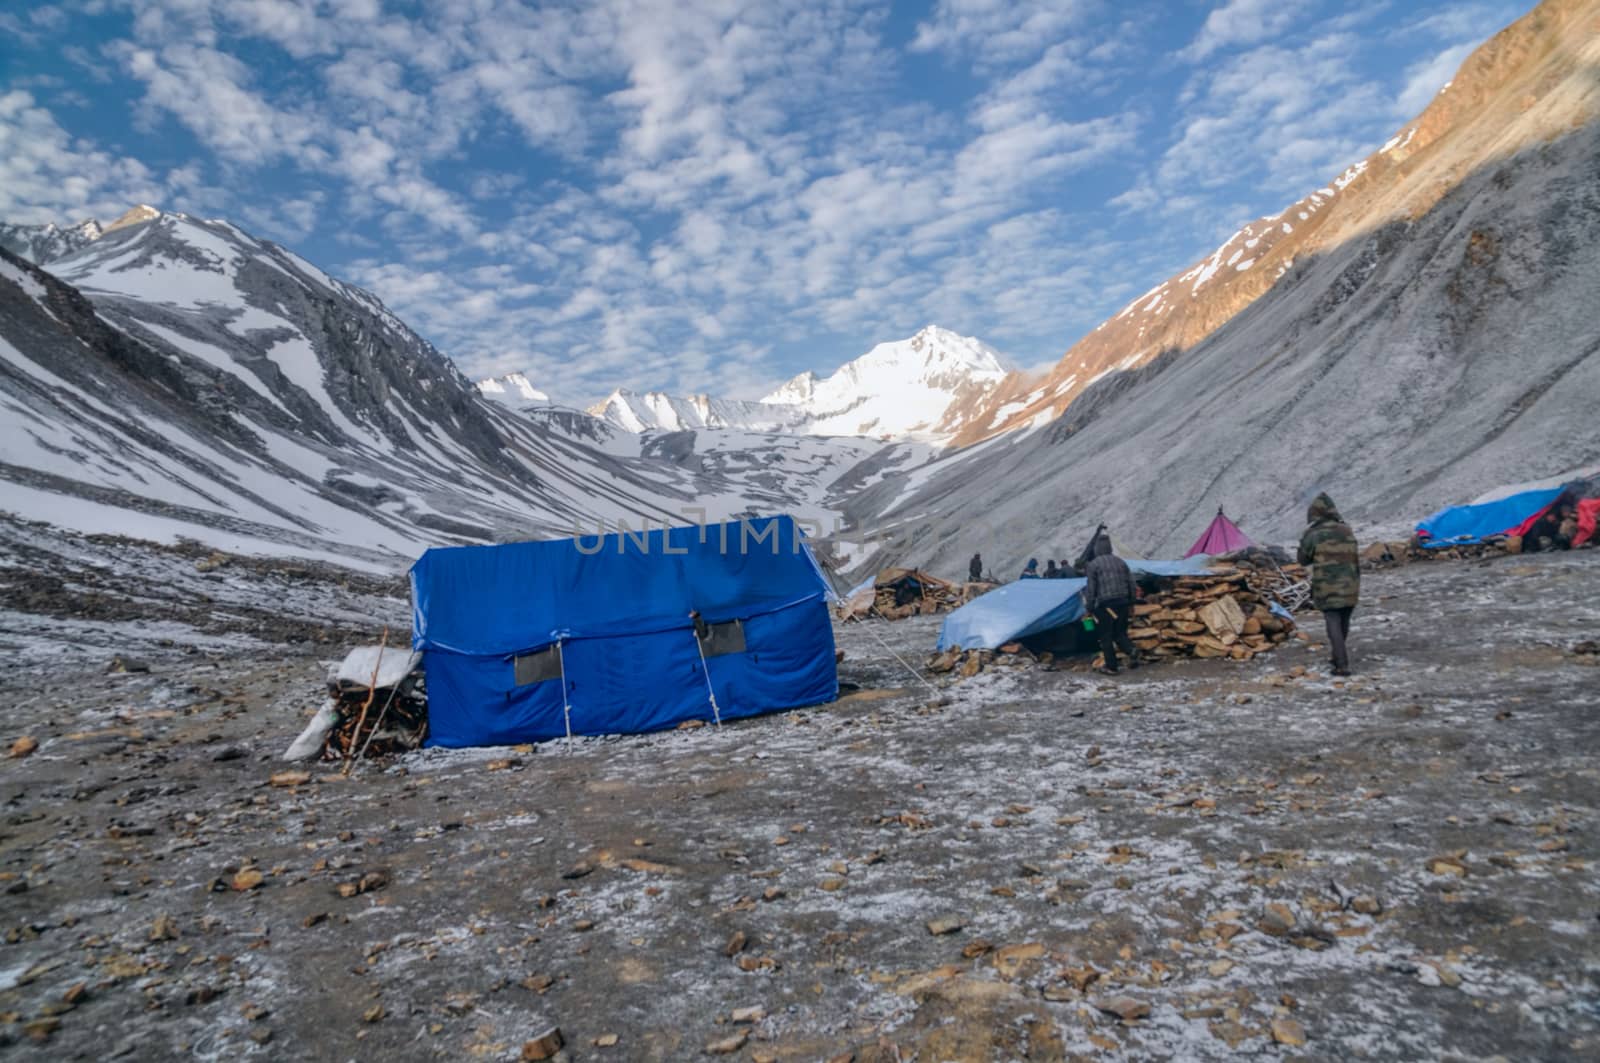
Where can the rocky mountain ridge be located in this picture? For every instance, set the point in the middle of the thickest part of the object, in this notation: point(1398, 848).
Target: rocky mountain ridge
point(1505, 93)
point(900, 390)
point(176, 376)
point(1434, 337)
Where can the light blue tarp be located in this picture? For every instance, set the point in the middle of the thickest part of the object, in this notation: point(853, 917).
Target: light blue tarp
point(619, 607)
point(1455, 525)
point(1013, 611)
point(1030, 606)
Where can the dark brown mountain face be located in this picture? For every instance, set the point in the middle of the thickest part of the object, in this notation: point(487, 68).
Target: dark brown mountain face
point(1529, 83)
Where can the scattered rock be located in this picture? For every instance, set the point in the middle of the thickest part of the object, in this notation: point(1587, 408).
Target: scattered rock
point(772, 893)
point(606, 1040)
point(1448, 864)
point(736, 944)
point(290, 778)
point(1442, 974)
point(545, 1046)
point(165, 928)
point(247, 879)
point(754, 1013)
point(1012, 960)
point(1277, 920)
point(945, 924)
point(832, 885)
point(1080, 977)
point(24, 747)
point(1288, 1032)
point(367, 883)
point(1366, 905)
point(749, 963)
point(728, 1045)
point(373, 1014)
point(1125, 1008)
point(41, 1030)
point(578, 870)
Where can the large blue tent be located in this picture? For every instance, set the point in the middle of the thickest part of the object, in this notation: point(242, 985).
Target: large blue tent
point(620, 633)
point(1034, 606)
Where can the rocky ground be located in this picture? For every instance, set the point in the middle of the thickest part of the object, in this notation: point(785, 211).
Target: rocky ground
point(1191, 860)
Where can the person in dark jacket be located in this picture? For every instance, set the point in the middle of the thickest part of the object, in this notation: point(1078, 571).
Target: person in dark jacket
point(1329, 547)
point(975, 568)
point(1081, 566)
point(1050, 571)
point(1109, 598)
point(1032, 569)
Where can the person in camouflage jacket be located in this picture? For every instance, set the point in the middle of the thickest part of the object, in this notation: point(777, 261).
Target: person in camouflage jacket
point(1329, 547)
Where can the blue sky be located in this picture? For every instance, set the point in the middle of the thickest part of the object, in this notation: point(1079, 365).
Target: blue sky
point(713, 195)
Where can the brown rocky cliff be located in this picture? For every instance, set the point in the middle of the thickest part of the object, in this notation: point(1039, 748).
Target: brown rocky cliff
point(1533, 81)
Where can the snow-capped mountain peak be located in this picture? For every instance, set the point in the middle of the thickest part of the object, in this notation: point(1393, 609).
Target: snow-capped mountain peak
point(141, 213)
point(514, 389)
point(796, 391)
point(904, 388)
point(43, 243)
point(634, 411)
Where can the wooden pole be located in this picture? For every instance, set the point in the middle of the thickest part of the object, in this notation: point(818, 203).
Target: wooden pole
point(372, 692)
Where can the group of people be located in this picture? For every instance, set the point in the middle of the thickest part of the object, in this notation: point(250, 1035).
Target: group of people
point(1051, 570)
point(1327, 546)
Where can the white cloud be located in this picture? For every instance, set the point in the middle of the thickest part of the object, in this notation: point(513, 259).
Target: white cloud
point(644, 191)
point(48, 175)
point(1238, 22)
point(997, 31)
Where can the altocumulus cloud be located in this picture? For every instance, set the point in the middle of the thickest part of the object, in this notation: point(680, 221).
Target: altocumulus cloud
point(715, 194)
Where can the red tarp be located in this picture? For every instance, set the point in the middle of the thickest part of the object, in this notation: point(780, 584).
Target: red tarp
point(1533, 518)
point(1588, 517)
point(1222, 537)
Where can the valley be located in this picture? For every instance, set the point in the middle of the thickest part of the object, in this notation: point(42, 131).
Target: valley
point(1191, 861)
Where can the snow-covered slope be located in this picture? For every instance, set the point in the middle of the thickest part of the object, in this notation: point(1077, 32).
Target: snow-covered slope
point(194, 381)
point(1440, 338)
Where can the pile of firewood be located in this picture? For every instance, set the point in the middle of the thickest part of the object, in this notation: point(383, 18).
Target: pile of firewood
point(899, 593)
point(378, 732)
point(379, 700)
point(1225, 614)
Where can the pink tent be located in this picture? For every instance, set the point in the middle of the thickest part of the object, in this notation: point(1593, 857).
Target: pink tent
point(1222, 537)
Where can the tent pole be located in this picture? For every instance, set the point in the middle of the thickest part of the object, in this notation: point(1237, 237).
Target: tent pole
point(566, 703)
point(716, 713)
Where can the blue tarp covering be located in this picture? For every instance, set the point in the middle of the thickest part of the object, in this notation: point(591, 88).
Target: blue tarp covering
point(1030, 606)
point(1455, 525)
point(1013, 611)
point(619, 607)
